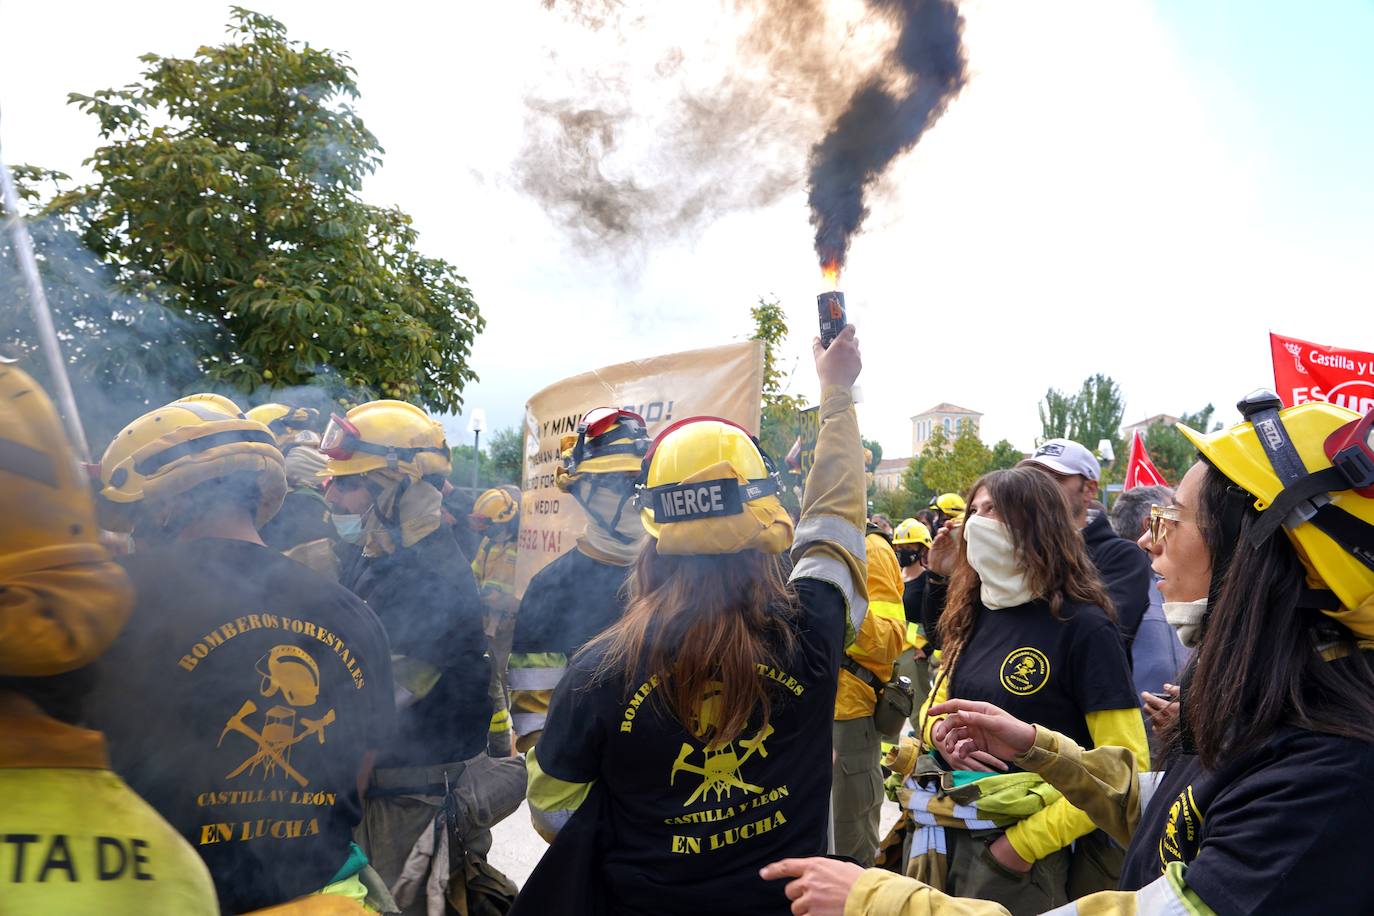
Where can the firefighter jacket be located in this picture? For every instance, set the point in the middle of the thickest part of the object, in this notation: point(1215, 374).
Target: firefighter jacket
point(1280, 829)
point(493, 567)
point(74, 838)
point(882, 635)
point(566, 604)
point(427, 600)
point(683, 827)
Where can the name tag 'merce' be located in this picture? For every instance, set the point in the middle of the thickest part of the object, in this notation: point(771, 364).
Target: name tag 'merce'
point(704, 499)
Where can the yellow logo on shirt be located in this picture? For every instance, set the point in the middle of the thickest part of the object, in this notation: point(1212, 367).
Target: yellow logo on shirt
point(1180, 840)
point(1025, 670)
point(291, 672)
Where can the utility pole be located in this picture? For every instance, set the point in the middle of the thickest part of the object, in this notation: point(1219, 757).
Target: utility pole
point(477, 421)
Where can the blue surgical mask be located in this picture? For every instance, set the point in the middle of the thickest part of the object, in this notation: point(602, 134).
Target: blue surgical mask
point(349, 527)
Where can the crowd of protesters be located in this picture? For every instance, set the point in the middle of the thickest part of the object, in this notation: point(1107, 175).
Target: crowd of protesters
point(247, 665)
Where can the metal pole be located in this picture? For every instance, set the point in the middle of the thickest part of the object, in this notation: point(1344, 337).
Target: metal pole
point(476, 456)
point(42, 315)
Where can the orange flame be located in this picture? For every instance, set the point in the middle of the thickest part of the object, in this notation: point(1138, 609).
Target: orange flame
point(831, 273)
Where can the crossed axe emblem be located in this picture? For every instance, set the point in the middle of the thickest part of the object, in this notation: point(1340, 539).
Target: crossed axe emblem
point(272, 752)
point(720, 769)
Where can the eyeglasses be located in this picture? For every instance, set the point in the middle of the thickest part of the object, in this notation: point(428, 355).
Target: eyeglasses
point(1158, 516)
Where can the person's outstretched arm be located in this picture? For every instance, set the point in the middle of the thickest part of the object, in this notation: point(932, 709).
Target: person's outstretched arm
point(829, 541)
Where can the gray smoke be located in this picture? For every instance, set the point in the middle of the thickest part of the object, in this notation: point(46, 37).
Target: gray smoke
point(617, 178)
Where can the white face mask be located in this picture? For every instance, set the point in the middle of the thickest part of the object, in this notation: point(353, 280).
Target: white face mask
point(993, 556)
point(349, 527)
point(1186, 617)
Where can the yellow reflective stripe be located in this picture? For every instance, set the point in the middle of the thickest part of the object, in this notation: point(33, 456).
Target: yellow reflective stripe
point(552, 800)
point(914, 636)
point(890, 609)
point(500, 721)
point(538, 660)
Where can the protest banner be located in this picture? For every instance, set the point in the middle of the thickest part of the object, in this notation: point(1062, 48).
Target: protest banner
point(1305, 371)
point(724, 382)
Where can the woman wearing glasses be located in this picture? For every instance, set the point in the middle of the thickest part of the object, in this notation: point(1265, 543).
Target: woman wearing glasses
point(1263, 805)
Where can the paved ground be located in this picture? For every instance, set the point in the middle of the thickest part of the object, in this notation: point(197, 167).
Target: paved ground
point(516, 848)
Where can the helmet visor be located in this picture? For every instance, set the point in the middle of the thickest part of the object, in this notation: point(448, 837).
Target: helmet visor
point(340, 439)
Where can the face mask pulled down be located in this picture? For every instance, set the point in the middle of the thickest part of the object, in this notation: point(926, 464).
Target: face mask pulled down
point(993, 556)
point(1186, 618)
point(602, 502)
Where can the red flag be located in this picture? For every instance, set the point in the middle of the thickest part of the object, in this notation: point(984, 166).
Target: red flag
point(1304, 371)
point(1140, 470)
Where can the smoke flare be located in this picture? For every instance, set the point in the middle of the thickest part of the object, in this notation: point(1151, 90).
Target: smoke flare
point(883, 121)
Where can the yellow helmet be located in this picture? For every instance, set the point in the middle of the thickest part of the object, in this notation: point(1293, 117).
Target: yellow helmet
point(64, 601)
point(287, 423)
point(911, 531)
point(184, 444)
point(385, 434)
point(708, 488)
point(951, 504)
point(1310, 469)
point(494, 507)
point(608, 441)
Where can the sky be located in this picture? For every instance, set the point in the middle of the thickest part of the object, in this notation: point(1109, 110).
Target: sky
point(1142, 189)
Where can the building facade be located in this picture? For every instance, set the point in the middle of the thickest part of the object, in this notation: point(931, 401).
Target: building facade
point(950, 418)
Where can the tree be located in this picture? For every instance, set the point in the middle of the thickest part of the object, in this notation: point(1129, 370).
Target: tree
point(1170, 451)
point(506, 448)
point(954, 468)
point(781, 413)
point(897, 504)
point(875, 449)
point(1093, 414)
point(1004, 455)
point(227, 208)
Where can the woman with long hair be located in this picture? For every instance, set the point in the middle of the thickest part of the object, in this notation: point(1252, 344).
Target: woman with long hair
point(1028, 625)
point(690, 743)
point(1267, 554)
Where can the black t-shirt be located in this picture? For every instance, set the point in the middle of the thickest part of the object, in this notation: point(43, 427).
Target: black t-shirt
point(239, 701)
point(1043, 670)
point(913, 599)
point(1284, 829)
point(928, 603)
point(427, 599)
point(567, 603)
point(691, 828)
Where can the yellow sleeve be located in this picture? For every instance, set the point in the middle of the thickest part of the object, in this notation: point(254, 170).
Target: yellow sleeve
point(935, 698)
point(1061, 823)
point(829, 540)
point(884, 893)
point(1103, 782)
point(552, 800)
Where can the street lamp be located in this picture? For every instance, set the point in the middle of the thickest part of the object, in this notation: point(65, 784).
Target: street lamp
point(477, 421)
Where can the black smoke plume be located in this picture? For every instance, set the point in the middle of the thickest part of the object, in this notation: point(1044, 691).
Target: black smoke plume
point(739, 140)
point(882, 121)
